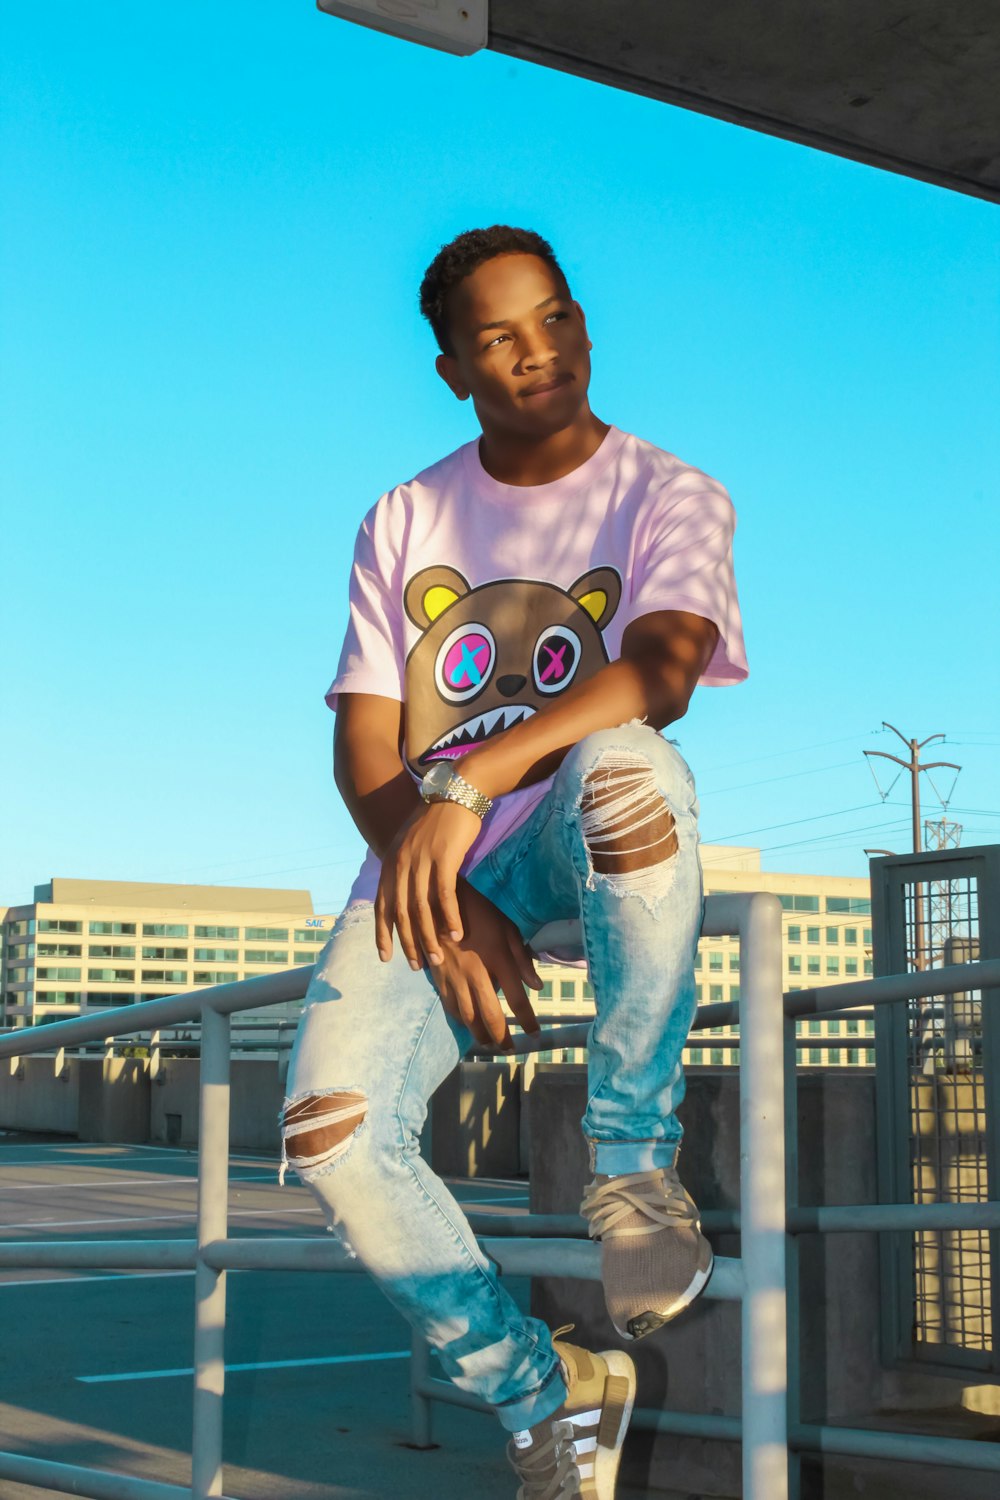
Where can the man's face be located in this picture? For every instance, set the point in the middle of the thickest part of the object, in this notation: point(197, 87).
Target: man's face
point(521, 347)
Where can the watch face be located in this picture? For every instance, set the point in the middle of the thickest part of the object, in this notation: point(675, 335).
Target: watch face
point(435, 783)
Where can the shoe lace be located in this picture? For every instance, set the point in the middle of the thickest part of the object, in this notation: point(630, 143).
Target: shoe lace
point(547, 1470)
point(658, 1196)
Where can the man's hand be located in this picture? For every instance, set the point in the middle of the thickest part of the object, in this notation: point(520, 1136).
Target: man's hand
point(417, 887)
point(492, 956)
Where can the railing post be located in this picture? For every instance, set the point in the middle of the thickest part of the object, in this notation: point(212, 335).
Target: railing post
point(762, 1203)
point(210, 1285)
point(421, 1433)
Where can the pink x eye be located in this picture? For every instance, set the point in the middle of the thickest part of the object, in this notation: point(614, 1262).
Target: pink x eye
point(556, 658)
point(464, 662)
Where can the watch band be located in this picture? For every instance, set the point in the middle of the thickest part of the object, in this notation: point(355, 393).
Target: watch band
point(459, 790)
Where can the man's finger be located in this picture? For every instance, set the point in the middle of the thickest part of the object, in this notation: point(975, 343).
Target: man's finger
point(402, 917)
point(447, 904)
point(518, 1001)
point(383, 924)
point(423, 917)
point(491, 1011)
point(524, 959)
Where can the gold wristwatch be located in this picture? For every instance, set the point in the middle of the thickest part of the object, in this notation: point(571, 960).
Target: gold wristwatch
point(443, 784)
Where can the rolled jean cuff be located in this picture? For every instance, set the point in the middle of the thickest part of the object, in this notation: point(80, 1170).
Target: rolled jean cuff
point(525, 1411)
point(616, 1158)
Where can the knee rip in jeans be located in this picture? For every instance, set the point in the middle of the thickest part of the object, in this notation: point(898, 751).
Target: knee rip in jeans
point(629, 832)
point(319, 1128)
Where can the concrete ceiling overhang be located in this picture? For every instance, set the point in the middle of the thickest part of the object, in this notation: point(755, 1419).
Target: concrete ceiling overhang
point(912, 86)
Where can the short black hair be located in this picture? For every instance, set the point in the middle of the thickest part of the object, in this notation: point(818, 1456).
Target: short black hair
point(463, 255)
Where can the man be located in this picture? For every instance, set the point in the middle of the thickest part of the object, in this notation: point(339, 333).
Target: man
point(526, 615)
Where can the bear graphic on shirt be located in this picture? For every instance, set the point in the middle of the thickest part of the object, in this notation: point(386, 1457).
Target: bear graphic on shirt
point(490, 657)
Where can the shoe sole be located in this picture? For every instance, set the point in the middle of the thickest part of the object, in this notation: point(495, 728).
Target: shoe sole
point(606, 1460)
point(648, 1322)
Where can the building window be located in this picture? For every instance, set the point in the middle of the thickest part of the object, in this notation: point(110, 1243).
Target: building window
point(307, 934)
point(715, 1057)
point(853, 1026)
point(715, 962)
point(869, 1026)
point(832, 936)
point(60, 973)
point(301, 956)
point(58, 950)
point(567, 989)
point(58, 997)
point(267, 955)
point(111, 976)
point(800, 903)
point(869, 1058)
point(20, 928)
point(165, 929)
point(165, 976)
point(834, 1055)
point(226, 932)
point(112, 950)
point(219, 976)
point(209, 955)
point(734, 992)
point(869, 967)
point(815, 1055)
point(52, 924)
point(832, 965)
point(812, 934)
point(849, 905)
point(545, 993)
point(715, 993)
point(795, 963)
point(588, 990)
point(734, 963)
point(850, 935)
point(815, 1026)
point(697, 993)
point(833, 1028)
point(696, 1055)
point(697, 959)
point(812, 963)
point(111, 929)
point(852, 1057)
point(266, 934)
point(795, 934)
point(851, 966)
point(867, 937)
point(165, 953)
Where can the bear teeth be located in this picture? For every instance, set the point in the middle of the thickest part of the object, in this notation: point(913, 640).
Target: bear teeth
point(472, 731)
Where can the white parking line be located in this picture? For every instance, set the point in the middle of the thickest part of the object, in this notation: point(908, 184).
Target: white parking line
point(107, 1184)
point(521, 1198)
point(115, 1276)
point(234, 1213)
point(270, 1364)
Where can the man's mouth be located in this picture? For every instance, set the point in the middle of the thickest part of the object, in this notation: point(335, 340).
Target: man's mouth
point(473, 732)
point(543, 387)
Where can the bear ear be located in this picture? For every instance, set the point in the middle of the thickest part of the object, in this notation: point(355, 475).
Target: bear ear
point(599, 592)
point(430, 592)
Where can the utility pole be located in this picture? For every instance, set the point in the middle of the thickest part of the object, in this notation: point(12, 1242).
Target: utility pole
point(914, 768)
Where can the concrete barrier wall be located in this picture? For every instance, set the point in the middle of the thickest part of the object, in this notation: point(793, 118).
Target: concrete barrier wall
point(36, 1095)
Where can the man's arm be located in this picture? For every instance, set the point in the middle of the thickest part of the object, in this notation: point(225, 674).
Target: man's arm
point(382, 798)
point(663, 655)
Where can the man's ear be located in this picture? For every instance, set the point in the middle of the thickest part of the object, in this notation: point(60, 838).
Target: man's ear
point(447, 368)
point(580, 314)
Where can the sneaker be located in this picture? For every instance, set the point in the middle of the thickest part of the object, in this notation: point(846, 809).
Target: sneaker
point(654, 1258)
point(574, 1454)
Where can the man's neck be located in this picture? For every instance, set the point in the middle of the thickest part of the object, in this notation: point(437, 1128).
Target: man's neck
point(511, 458)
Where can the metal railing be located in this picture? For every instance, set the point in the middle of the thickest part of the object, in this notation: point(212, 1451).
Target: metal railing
point(769, 1220)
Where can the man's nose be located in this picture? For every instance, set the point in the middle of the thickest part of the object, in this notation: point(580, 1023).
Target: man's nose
point(537, 352)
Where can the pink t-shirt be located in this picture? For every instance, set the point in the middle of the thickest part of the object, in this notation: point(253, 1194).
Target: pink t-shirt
point(477, 603)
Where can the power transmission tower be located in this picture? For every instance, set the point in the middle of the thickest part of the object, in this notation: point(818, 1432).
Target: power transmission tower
point(914, 767)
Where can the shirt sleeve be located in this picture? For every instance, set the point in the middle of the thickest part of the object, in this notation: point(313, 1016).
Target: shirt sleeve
point(373, 654)
point(685, 562)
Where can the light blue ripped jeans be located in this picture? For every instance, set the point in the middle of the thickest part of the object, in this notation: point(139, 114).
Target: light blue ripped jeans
point(377, 1034)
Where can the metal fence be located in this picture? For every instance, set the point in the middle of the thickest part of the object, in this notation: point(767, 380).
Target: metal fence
point(938, 1078)
point(769, 1221)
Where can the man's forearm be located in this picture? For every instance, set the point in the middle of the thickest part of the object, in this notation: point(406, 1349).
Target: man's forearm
point(648, 683)
point(377, 789)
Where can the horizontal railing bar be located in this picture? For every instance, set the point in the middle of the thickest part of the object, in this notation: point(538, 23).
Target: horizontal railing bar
point(102, 1255)
point(889, 1217)
point(291, 984)
point(95, 1484)
point(581, 1260)
point(906, 1447)
point(687, 1424)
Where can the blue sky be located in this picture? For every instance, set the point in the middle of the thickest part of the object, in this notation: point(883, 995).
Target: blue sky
point(216, 221)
